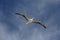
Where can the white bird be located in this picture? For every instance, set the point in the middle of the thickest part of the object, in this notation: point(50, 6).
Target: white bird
point(31, 20)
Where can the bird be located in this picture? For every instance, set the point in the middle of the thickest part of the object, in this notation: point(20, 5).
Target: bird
point(31, 20)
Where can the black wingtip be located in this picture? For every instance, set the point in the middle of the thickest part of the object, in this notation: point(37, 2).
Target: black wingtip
point(17, 13)
point(45, 27)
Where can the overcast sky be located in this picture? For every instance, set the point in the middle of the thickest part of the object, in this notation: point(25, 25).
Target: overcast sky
point(13, 27)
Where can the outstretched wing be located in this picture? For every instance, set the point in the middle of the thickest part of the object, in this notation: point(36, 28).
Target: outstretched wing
point(38, 22)
point(24, 15)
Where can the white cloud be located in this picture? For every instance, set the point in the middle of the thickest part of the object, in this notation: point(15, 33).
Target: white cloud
point(26, 32)
point(4, 35)
point(35, 35)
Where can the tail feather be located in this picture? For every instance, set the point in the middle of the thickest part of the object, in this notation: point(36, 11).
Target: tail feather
point(27, 23)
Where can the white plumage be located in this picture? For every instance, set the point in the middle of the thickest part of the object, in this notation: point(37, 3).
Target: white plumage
point(31, 20)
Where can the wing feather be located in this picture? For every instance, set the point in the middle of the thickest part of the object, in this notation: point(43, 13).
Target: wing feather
point(24, 15)
point(38, 22)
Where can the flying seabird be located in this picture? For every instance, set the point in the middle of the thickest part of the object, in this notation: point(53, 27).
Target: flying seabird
point(31, 20)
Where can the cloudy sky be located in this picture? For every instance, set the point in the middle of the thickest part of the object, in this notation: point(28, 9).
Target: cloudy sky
point(13, 27)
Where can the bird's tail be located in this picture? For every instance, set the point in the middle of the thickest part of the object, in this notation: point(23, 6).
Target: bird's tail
point(27, 22)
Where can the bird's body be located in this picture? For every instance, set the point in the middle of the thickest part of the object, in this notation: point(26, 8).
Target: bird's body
point(31, 20)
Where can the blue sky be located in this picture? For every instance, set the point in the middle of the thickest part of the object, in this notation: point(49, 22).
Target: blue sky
point(13, 27)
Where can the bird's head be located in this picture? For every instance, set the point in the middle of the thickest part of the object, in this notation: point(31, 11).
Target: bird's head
point(33, 18)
